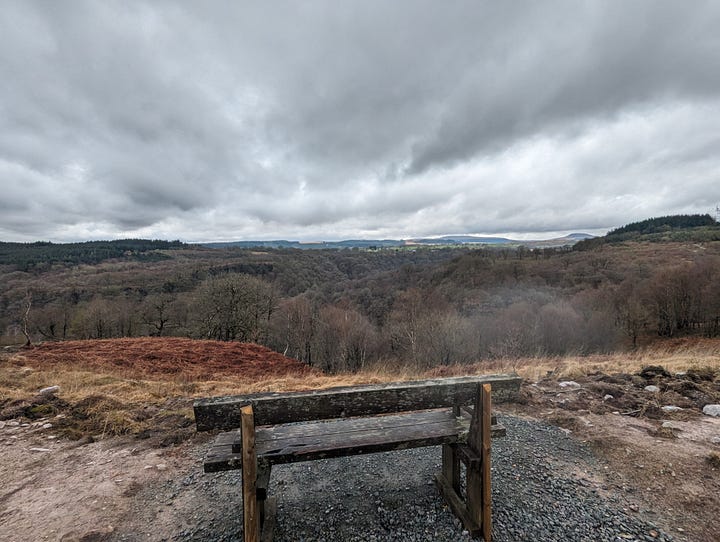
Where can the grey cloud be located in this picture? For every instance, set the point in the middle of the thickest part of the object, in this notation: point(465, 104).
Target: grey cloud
point(332, 118)
point(589, 63)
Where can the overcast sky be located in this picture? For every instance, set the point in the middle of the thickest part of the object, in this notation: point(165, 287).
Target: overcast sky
point(331, 120)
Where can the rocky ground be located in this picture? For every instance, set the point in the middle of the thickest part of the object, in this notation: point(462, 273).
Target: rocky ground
point(575, 465)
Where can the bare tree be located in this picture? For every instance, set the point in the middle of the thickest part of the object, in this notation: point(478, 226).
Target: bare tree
point(234, 307)
point(26, 318)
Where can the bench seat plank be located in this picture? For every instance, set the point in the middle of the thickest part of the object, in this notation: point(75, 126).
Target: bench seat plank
point(341, 437)
point(291, 443)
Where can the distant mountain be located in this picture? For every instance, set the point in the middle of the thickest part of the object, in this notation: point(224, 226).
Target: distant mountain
point(462, 239)
point(370, 244)
point(281, 243)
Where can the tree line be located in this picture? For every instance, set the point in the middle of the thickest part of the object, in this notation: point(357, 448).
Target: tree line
point(343, 310)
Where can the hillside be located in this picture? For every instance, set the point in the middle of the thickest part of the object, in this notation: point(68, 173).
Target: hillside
point(665, 229)
point(350, 309)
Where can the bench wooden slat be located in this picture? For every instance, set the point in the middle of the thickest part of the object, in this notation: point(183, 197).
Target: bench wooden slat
point(328, 429)
point(342, 437)
point(279, 408)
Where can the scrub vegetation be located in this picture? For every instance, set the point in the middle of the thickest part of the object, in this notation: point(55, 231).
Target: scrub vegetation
point(353, 309)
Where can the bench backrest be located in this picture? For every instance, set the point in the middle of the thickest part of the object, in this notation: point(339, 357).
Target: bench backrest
point(275, 408)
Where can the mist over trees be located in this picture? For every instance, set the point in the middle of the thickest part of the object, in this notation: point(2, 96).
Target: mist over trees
point(342, 310)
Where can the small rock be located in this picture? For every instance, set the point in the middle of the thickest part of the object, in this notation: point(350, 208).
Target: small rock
point(50, 390)
point(712, 410)
point(161, 466)
point(568, 384)
point(652, 389)
point(671, 425)
point(2, 424)
point(47, 425)
point(671, 408)
point(715, 440)
point(40, 449)
point(608, 397)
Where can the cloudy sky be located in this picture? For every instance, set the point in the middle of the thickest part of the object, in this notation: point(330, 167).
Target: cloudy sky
point(332, 120)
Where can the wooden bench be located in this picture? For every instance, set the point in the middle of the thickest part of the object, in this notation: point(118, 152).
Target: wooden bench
point(272, 428)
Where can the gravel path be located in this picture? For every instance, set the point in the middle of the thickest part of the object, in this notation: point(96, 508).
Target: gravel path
point(546, 487)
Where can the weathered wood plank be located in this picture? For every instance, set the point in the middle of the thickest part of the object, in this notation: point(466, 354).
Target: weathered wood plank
point(485, 465)
point(269, 524)
point(338, 444)
point(263, 480)
point(475, 480)
point(221, 457)
point(251, 519)
point(277, 408)
point(457, 505)
point(474, 488)
point(350, 427)
point(451, 466)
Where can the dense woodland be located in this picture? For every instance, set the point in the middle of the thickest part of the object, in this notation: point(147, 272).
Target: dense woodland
point(345, 309)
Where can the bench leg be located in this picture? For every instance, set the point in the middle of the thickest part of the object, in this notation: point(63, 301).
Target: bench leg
point(268, 525)
point(251, 518)
point(478, 482)
point(475, 511)
point(451, 466)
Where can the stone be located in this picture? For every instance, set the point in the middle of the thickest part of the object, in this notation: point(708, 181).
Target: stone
point(568, 384)
point(671, 408)
point(712, 410)
point(671, 425)
point(40, 449)
point(715, 440)
point(608, 397)
point(50, 390)
point(652, 389)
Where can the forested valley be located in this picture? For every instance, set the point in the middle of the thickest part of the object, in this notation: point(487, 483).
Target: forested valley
point(344, 310)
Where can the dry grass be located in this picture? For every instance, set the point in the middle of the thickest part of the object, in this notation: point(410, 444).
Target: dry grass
point(119, 399)
point(675, 355)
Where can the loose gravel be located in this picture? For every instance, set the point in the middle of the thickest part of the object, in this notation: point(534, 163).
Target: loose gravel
point(546, 487)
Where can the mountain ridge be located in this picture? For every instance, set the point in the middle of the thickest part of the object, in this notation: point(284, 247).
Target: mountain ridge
point(567, 240)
